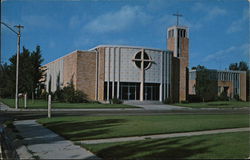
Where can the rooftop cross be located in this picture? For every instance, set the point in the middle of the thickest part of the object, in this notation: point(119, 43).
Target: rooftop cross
point(177, 16)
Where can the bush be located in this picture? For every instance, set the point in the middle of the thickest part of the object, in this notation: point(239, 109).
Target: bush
point(194, 98)
point(222, 97)
point(78, 97)
point(168, 101)
point(237, 97)
point(58, 95)
point(94, 102)
point(184, 102)
point(115, 101)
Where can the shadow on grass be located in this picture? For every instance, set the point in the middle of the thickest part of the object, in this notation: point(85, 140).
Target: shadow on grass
point(83, 130)
point(156, 150)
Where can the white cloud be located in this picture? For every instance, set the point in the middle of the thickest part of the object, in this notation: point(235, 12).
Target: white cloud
point(40, 21)
point(219, 54)
point(229, 53)
point(158, 4)
point(238, 24)
point(52, 44)
point(216, 11)
point(208, 13)
point(126, 17)
point(74, 21)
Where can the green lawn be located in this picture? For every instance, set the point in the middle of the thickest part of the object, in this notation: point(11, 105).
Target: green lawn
point(216, 104)
point(223, 146)
point(96, 127)
point(42, 104)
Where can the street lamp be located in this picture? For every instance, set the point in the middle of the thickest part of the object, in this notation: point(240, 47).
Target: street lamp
point(17, 57)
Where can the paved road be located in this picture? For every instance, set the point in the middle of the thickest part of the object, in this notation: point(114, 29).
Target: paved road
point(12, 114)
point(160, 136)
point(162, 107)
point(45, 144)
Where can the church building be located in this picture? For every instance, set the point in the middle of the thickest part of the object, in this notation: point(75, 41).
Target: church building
point(126, 72)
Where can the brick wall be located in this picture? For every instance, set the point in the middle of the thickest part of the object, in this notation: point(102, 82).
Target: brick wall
point(226, 84)
point(86, 73)
point(69, 68)
point(243, 87)
point(101, 73)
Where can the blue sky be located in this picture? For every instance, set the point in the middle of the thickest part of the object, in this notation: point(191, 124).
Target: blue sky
point(219, 29)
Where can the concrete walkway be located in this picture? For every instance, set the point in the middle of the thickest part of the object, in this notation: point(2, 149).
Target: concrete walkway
point(45, 144)
point(161, 136)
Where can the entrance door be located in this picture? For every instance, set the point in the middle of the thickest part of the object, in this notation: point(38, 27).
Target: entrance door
point(132, 93)
point(148, 93)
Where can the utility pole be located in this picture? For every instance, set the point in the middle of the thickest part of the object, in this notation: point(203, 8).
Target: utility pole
point(17, 61)
point(177, 16)
point(17, 57)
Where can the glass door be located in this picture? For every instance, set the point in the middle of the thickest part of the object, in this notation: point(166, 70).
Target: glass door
point(132, 92)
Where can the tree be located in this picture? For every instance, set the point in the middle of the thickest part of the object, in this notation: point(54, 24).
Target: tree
point(29, 72)
point(5, 85)
point(233, 66)
point(241, 66)
point(206, 83)
point(36, 60)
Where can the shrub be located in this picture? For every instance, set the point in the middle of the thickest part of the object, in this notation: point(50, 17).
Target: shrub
point(194, 98)
point(58, 95)
point(78, 97)
point(237, 97)
point(184, 102)
point(223, 97)
point(168, 101)
point(115, 101)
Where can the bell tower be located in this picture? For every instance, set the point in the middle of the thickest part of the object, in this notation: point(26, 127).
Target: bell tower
point(178, 42)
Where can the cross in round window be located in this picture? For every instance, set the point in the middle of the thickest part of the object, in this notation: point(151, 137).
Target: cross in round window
point(142, 57)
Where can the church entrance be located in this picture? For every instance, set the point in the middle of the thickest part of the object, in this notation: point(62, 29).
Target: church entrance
point(130, 91)
point(148, 94)
point(151, 91)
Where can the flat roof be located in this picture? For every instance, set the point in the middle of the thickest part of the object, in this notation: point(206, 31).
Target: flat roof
point(230, 71)
point(67, 55)
point(125, 46)
point(112, 46)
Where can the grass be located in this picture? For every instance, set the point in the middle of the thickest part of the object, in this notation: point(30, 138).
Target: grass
point(216, 104)
point(97, 127)
point(218, 146)
point(42, 104)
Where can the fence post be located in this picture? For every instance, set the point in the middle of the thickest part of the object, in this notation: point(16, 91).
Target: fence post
point(25, 100)
point(49, 106)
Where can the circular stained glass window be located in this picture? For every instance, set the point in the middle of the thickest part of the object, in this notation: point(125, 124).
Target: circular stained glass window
point(138, 60)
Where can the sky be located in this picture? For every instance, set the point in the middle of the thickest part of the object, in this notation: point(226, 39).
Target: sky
point(218, 29)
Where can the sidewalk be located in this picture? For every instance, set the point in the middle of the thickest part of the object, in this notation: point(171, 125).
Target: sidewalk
point(160, 136)
point(45, 144)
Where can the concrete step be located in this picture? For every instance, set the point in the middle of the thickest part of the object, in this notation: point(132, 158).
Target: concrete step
point(137, 102)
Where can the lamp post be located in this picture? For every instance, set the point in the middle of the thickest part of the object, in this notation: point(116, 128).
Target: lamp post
point(17, 57)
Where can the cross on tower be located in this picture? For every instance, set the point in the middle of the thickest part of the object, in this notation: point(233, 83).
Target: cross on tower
point(177, 16)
